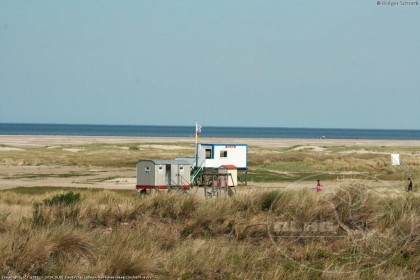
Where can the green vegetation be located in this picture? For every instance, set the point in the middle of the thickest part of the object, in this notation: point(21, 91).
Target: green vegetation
point(288, 164)
point(62, 199)
point(48, 175)
point(268, 199)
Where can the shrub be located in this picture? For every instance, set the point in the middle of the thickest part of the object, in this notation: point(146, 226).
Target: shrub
point(57, 209)
point(268, 199)
point(63, 199)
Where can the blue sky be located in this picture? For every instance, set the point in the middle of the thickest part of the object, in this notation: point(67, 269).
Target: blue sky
point(320, 64)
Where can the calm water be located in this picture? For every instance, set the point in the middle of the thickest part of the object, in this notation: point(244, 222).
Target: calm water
point(209, 131)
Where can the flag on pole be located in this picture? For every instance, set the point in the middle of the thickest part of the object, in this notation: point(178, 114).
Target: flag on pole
point(197, 129)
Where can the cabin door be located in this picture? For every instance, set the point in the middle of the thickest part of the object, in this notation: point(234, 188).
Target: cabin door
point(174, 175)
point(168, 175)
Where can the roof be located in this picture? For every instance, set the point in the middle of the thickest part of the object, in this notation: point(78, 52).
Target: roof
point(228, 166)
point(190, 160)
point(165, 161)
point(222, 144)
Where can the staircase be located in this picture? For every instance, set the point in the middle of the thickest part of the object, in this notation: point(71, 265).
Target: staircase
point(196, 171)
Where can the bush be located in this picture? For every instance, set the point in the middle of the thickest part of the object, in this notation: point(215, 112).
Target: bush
point(268, 199)
point(63, 199)
point(133, 148)
point(58, 209)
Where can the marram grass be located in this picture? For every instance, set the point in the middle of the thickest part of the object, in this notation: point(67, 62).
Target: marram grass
point(178, 236)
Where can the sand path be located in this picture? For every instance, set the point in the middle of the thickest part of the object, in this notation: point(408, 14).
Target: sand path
point(41, 141)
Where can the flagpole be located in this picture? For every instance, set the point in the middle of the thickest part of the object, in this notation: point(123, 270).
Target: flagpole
point(196, 144)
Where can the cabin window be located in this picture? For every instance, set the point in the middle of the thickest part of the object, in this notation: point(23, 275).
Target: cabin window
point(147, 169)
point(208, 153)
point(223, 154)
point(181, 169)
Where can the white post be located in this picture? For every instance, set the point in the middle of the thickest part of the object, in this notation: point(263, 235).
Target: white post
point(197, 135)
point(196, 143)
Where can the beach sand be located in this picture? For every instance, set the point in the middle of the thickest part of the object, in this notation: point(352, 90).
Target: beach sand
point(19, 174)
point(40, 141)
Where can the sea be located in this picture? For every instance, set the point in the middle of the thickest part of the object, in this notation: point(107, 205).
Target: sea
point(207, 131)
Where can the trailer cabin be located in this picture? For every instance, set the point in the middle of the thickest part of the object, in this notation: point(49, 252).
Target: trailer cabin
point(162, 174)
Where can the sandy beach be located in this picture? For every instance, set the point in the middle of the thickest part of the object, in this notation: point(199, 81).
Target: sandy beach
point(41, 141)
point(16, 171)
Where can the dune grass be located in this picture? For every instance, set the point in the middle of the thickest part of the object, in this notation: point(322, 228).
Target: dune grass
point(105, 155)
point(354, 232)
point(265, 164)
point(178, 236)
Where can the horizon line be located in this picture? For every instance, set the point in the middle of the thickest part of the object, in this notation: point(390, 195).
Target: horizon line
point(212, 126)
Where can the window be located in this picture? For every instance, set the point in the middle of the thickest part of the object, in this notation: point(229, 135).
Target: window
point(208, 153)
point(147, 169)
point(223, 154)
point(160, 169)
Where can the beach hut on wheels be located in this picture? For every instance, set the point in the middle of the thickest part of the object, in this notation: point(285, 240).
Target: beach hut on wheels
point(162, 174)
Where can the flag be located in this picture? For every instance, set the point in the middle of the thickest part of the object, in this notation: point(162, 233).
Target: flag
point(197, 129)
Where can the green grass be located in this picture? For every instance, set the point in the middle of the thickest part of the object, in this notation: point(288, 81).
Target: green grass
point(295, 165)
point(62, 199)
point(262, 175)
point(48, 175)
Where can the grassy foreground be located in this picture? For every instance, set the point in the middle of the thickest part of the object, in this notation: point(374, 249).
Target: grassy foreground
point(47, 231)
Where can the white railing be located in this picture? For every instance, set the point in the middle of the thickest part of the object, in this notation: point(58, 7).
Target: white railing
point(195, 174)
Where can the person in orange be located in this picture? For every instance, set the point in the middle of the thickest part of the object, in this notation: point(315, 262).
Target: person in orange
point(319, 186)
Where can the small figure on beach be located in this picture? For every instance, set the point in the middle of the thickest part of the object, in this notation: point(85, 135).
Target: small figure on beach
point(319, 186)
point(410, 185)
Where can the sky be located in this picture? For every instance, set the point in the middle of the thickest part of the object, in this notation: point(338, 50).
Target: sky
point(311, 64)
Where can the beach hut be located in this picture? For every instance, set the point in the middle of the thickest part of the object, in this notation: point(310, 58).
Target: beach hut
point(216, 155)
point(232, 174)
point(162, 174)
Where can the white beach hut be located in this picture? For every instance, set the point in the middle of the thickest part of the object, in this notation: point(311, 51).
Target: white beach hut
point(162, 174)
point(216, 155)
